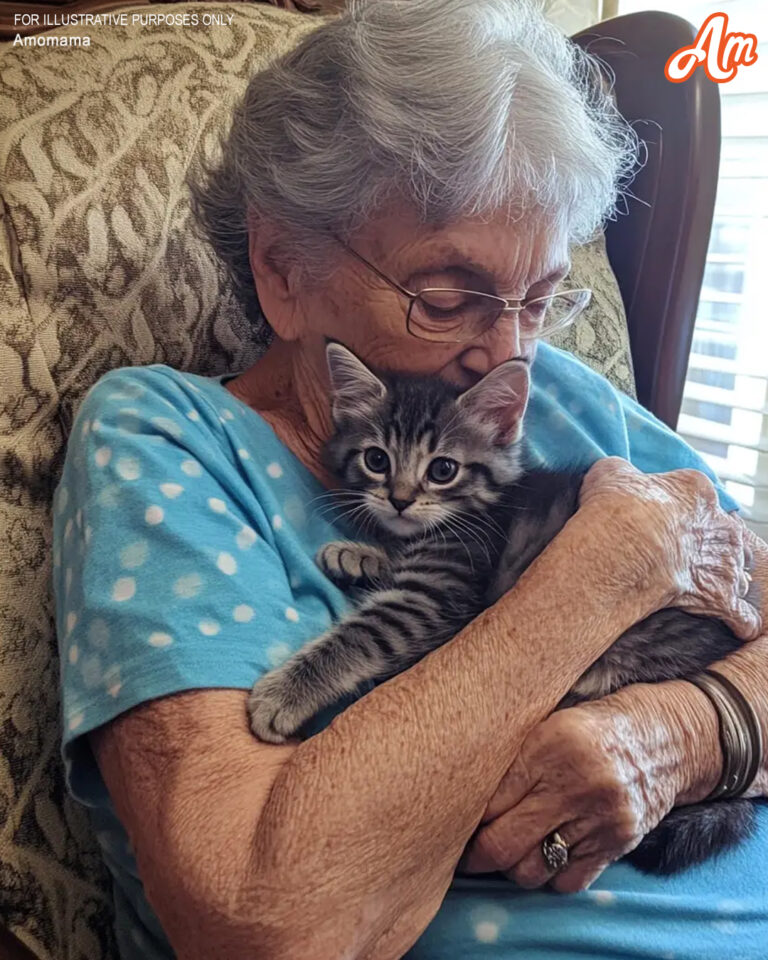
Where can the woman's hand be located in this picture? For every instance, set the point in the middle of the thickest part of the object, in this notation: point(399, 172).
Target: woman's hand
point(674, 528)
point(603, 774)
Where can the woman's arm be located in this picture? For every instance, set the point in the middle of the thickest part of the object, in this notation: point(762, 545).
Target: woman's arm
point(613, 768)
point(748, 669)
point(345, 845)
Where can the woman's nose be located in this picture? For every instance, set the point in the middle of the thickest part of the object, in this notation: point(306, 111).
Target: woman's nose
point(500, 343)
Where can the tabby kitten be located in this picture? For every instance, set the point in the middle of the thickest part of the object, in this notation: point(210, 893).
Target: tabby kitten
point(441, 475)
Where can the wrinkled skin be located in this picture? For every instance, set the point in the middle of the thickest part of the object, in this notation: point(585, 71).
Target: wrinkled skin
point(605, 773)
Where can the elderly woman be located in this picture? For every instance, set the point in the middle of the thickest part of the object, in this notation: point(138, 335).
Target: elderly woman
point(451, 144)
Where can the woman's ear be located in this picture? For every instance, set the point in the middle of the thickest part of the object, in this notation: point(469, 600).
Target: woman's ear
point(274, 279)
point(500, 399)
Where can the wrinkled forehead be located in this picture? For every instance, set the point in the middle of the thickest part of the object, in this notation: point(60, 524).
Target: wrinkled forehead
point(502, 253)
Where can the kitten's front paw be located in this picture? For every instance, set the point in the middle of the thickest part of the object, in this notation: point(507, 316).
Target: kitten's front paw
point(275, 709)
point(348, 564)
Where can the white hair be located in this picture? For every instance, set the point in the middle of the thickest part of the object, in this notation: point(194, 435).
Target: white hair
point(459, 107)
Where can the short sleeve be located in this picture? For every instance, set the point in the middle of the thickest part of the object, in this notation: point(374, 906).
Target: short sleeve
point(166, 572)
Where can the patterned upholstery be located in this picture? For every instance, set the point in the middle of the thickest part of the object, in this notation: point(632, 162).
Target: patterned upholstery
point(98, 269)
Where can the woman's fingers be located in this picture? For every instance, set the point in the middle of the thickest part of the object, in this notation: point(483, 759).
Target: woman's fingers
point(502, 843)
point(681, 538)
point(580, 873)
point(533, 870)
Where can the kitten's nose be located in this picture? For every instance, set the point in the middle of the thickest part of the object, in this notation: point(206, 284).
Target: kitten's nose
point(400, 505)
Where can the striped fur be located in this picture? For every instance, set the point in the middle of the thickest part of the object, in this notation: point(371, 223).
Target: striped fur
point(454, 549)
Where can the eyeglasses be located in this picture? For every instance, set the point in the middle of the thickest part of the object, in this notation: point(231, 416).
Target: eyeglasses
point(448, 315)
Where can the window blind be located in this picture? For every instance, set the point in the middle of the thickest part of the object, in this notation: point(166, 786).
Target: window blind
point(724, 413)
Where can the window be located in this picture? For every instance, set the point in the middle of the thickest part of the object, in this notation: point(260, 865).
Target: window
point(725, 405)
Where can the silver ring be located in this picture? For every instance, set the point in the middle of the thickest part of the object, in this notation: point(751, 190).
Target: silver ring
point(555, 851)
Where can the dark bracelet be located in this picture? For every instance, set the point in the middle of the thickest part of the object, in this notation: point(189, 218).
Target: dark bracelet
point(741, 738)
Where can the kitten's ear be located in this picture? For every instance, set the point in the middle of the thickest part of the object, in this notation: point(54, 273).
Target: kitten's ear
point(501, 398)
point(353, 386)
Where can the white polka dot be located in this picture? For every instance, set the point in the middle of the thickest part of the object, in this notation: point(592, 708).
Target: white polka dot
point(123, 589)
point(86, 428)
point(159, 639)
point(112, 681)
point(208, 627)
point(725, 926)
point(91, 671)
point(275, 471)
point(192, 386)
point(74, 653)
point(79, 519)
point(168, 425)
point(243, 454)
point(218, 506)
point(132, 390)
point(486, 931)
point(110, 495)
point(192, 468)
point(227, 414)
point(730, 906)
point(96, 426)
point(193, 415)
point(71, 622)
point(134, 555)
point(188, 586)
point(98, 633)
point(278, 653)
point(128, 468)
point(277, 522)
point(76, 720)
point(154, 515)
point(227, 563)
point(292, 614)
point(128, 420)
point(87, 534)
point(171, 490)
point(68, 579)
point(56, 557)
point(246, 538)
point(295, 581)
point(102, 456)
point(603, 897)
point(243, 613)
point(63, 498)
point(68, 529)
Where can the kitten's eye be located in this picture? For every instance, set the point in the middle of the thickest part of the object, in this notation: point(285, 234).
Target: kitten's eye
point(376, 460)
point(442, 470)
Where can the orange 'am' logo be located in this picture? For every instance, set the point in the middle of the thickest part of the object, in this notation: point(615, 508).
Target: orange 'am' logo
point(719, 52)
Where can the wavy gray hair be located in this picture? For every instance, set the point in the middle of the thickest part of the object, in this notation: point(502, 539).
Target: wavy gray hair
point(460, 107)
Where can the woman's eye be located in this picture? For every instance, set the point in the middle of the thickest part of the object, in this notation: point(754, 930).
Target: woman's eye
point(442, 302)
point(442, 470)
point(376, 460)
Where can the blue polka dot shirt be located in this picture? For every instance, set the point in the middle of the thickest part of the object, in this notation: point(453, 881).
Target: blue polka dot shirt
point(184, 538)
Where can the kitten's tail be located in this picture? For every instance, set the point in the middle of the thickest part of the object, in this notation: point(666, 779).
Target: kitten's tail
point(690, 835)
